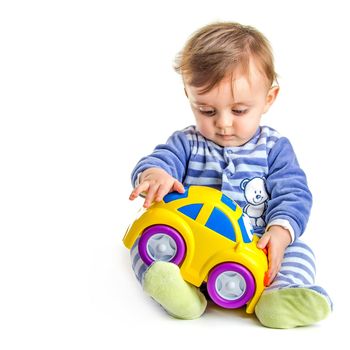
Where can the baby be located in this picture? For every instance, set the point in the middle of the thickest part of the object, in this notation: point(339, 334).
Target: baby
point(230, 82)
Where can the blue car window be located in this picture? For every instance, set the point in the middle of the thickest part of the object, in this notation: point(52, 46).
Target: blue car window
point(191, 210)
point(221, 224)
point(172, 196)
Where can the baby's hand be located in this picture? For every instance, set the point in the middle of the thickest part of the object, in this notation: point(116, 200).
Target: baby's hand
point(156, 183)
point(276, 240)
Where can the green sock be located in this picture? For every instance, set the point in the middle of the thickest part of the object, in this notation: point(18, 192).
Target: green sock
point(291, 307)
point(164, 283)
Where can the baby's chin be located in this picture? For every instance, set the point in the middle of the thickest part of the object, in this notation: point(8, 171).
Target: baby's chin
point(228, 141)
point(224, 140)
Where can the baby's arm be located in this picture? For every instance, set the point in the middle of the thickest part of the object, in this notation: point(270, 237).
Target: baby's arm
point(290, 202)
point(156, 183)
point(163, 170)
point(290, 197)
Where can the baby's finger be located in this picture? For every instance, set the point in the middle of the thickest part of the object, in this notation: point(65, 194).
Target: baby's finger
point(274, 267)
point(162, 191)
point(178, 186)
point(271, 274)
point(150, 195)
point(139, 189)
point(263, 241)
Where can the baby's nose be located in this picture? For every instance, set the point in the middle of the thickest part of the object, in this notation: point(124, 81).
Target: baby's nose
point(224, 120)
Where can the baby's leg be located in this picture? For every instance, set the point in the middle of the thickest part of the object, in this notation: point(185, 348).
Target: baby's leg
point(164, 283)
point(293, 299)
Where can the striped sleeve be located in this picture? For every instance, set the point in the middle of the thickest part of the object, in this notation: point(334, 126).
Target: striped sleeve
point(291, 198)
point(171, 157)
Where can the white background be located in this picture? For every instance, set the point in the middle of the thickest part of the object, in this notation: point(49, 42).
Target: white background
point(86, 89)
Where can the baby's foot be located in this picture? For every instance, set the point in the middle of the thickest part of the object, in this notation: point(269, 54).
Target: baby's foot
point(164, 283)
point(291, 307)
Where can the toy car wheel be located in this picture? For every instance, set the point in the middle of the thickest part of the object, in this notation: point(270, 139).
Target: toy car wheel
point(162, 243)
point(230, 285)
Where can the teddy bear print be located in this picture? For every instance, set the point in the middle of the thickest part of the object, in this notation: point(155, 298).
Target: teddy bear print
point(256, 196)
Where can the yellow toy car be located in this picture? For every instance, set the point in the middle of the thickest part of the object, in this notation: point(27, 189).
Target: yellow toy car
point(210, 238)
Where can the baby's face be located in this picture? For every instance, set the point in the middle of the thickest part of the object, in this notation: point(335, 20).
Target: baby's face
point(230, 113)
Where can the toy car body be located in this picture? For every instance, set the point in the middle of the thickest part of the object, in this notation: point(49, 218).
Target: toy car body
point(210, 238)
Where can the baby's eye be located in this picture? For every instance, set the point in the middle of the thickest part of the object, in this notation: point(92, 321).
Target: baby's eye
point(239, 111)
point(207, 112)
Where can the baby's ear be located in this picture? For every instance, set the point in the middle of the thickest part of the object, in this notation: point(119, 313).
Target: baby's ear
point(271, 97)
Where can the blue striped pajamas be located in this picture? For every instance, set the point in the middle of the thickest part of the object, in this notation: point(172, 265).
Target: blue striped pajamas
point(263, 176)
point(138, 265)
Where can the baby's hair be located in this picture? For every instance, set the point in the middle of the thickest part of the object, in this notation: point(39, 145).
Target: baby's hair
point(216, 50)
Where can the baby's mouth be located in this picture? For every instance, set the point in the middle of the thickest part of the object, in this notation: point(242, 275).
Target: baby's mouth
point(225, 136)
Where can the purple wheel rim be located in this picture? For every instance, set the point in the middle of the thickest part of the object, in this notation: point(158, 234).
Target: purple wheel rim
point(153, 231)
point(242, 273)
